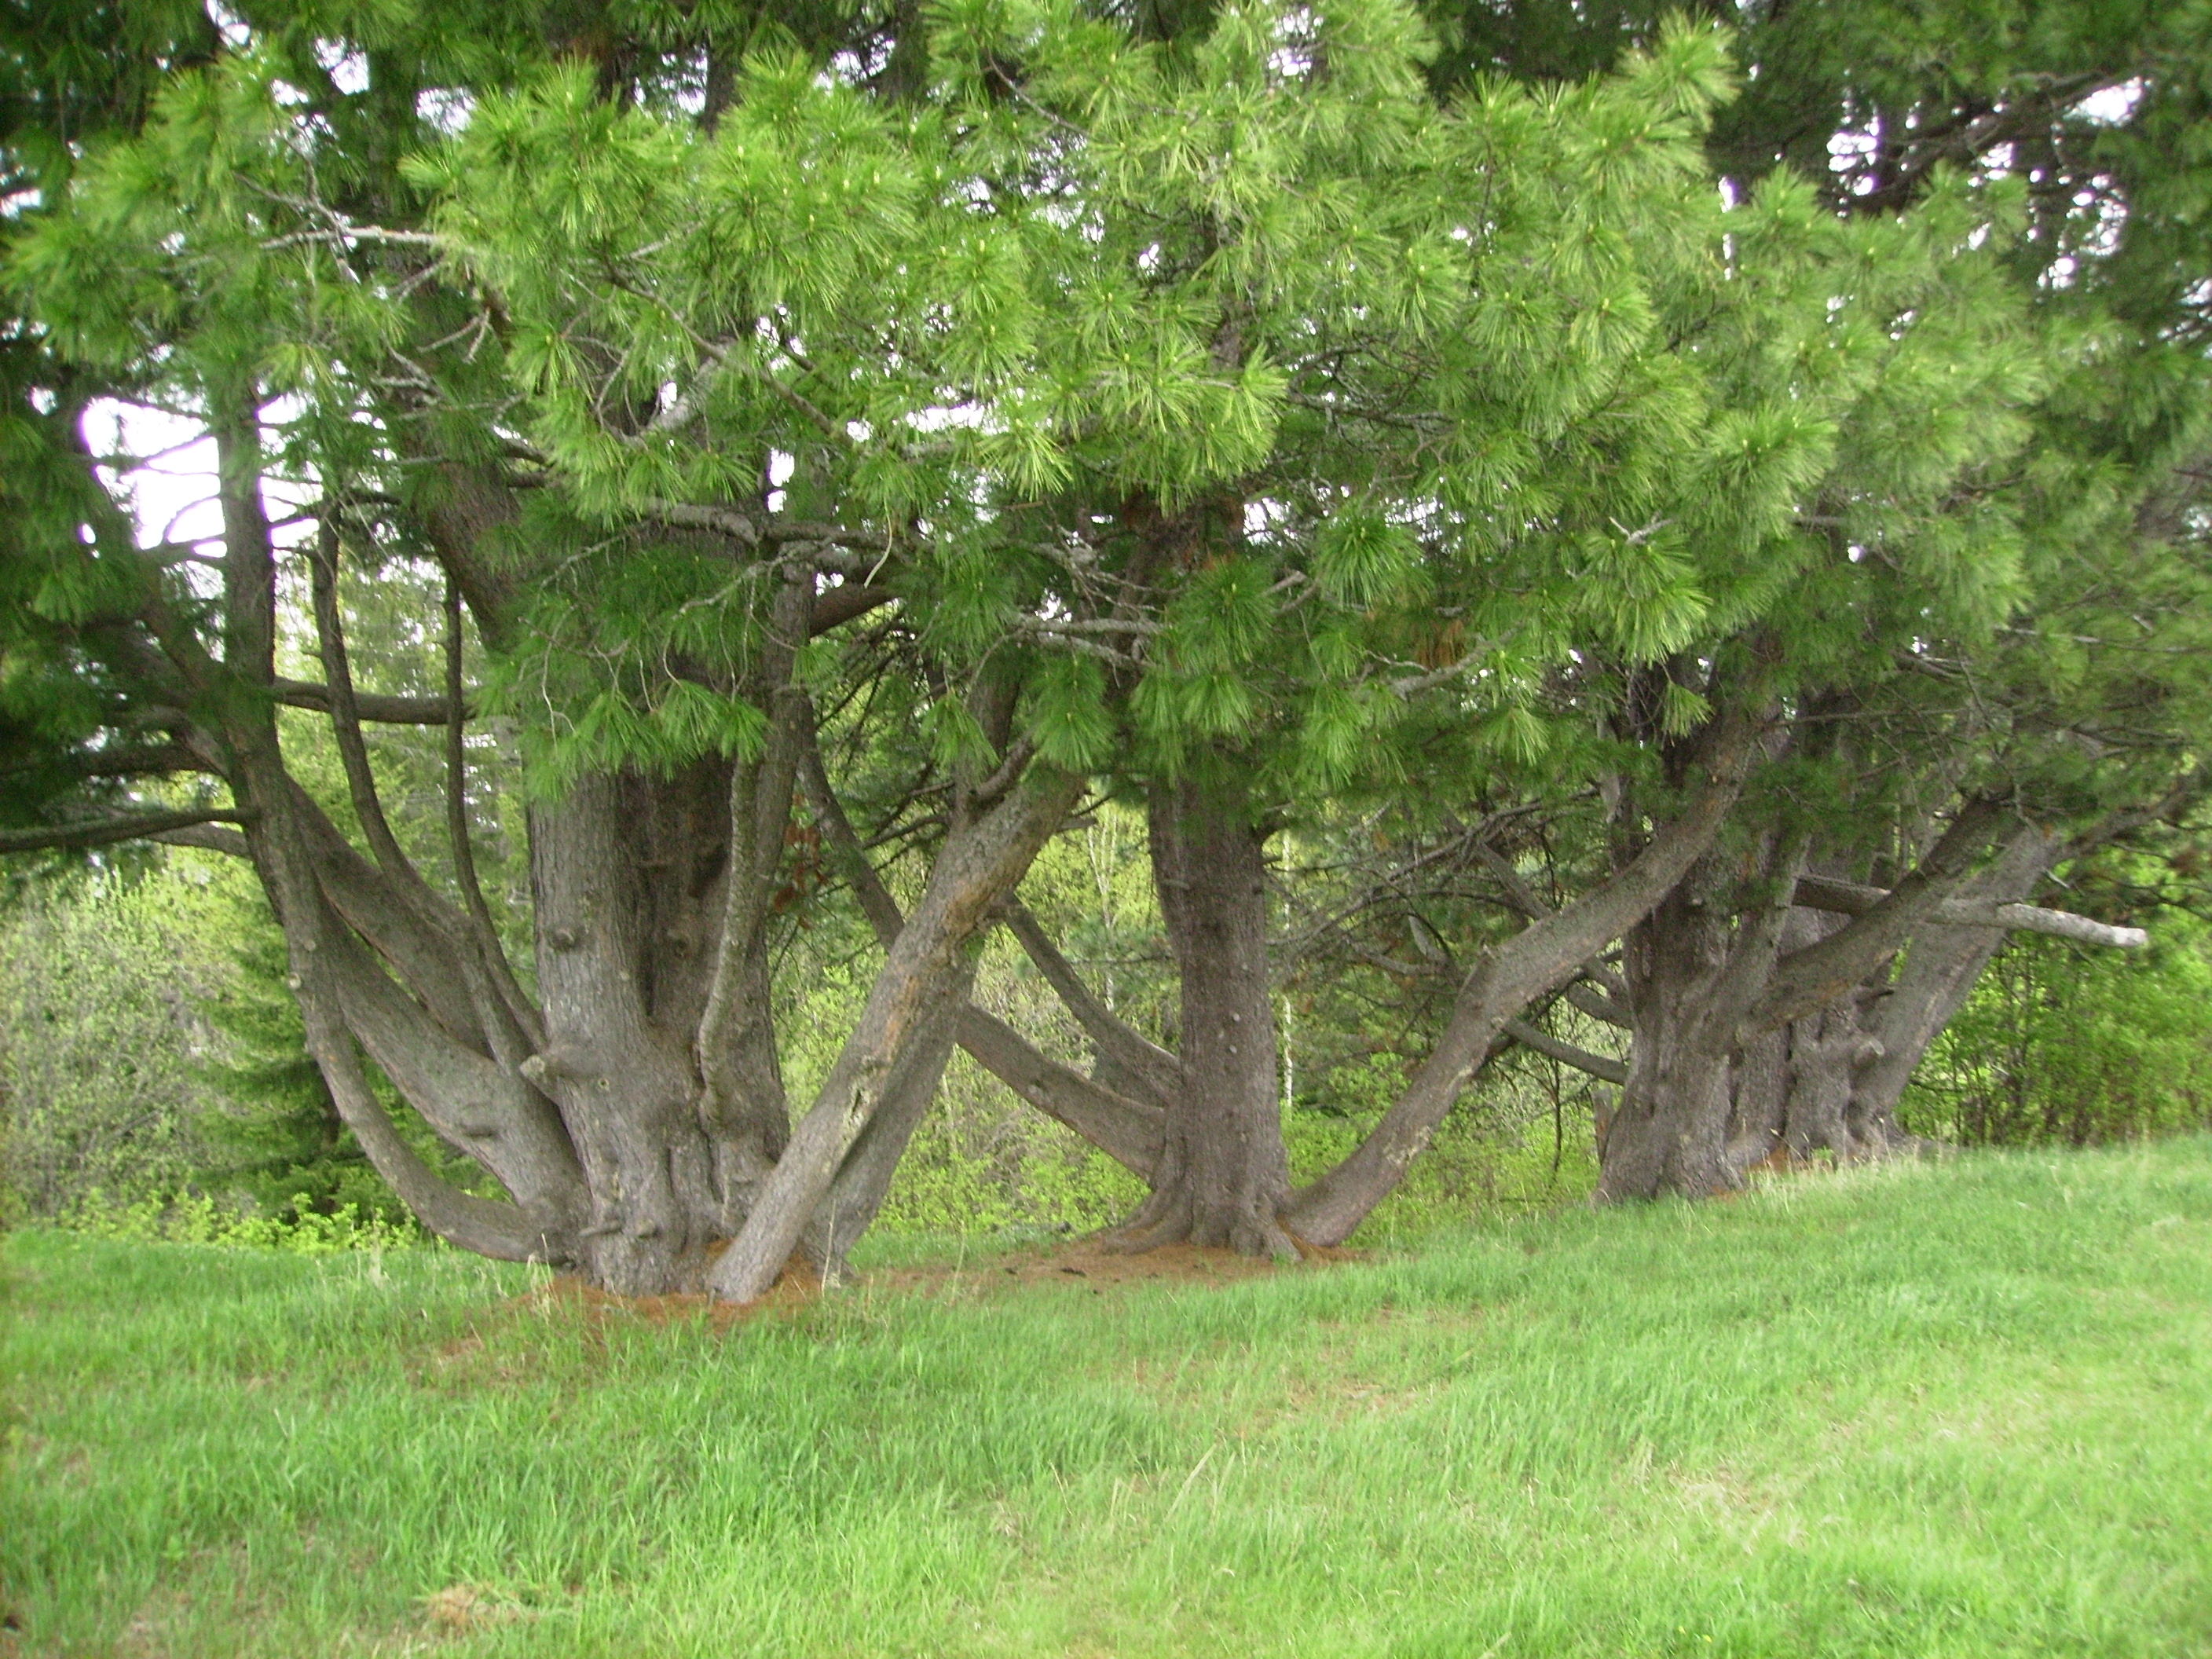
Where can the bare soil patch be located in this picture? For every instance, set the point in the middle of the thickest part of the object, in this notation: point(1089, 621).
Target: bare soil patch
point(1089, 1264)
point(1079, 1265)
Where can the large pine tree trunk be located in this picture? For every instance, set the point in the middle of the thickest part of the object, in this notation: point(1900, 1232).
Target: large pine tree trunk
point(1847, 1065)
point(1825, 1108)
point(1222, 1176)
point(1762, 1037)
point(1794, 1093)
point(1670, 1130)
point(627, 1165)
point(624, 872)
point(632, 1110)
point(1939, 973)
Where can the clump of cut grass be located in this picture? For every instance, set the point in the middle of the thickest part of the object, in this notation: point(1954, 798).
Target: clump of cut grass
point(1954, 1409)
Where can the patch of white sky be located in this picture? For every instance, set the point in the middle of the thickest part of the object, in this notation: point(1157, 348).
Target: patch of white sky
point(235, 29)
point(941, 417)
point(2113, 106)
point(2108, 107)
point(160, 466)
point(1854, 147)
point(444, 108)
point(1294, 59)
point(849, 69)
point(447, 108)
point(347, 67)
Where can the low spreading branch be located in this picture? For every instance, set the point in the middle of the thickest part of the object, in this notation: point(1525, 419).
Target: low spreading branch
point(1852, 899)
point(1597, 1066)
point(374, 708)
point(106, 831)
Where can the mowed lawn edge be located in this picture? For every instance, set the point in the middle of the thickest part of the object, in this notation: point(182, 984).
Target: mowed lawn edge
point(1961, 1407)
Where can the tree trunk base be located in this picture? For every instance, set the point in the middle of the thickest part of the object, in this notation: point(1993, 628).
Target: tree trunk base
point(1172, 1215)
point(1223, 1178)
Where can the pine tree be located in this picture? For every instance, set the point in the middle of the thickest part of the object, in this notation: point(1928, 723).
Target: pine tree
point(952, 419)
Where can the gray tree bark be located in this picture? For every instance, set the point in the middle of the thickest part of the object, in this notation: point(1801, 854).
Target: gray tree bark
point(1222, 1177)
point(1542, 959)
point(923, 978)
point(1793, 1033)
point(1556, 949)
point(633, 1108)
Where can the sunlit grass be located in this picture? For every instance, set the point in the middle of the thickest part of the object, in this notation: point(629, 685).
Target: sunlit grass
point(1933, 1410)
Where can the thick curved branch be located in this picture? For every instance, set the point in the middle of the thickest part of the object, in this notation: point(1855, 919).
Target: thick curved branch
point(345, 717)
point(502, 1231)
point(332, 968)
point(1160, 1071)
point(370, 902)
point(376, 708)
point(1541, 958)
point(344, 994)
point(978, 865)
point(478, 1103)
point(1534, 1037)
point(1806, 980)
point(1128, 1131)
point(836, 606)
point(106, 832)
point(208, 838)
point(1851, 898)
point(505, 1017)
point(488, 949)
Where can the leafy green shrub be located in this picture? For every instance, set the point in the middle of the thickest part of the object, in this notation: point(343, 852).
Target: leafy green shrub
point(198, 1218)
point(2061, 1044)
point(272, 1140)
point(154, 1074)
point(101, 1039)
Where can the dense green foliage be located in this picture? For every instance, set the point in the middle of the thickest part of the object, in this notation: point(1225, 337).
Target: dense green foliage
point(1957, 1409)
point(152, 1077)
point(102, 1042)
point(2066, 1047)
point(1416, 427)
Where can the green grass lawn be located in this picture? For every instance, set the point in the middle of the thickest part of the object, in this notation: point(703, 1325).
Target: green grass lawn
point(1954, 1409)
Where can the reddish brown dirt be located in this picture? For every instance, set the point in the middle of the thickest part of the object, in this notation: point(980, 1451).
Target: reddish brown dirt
point(1085, 1264)
point(797, 1288)
point(1081, 1265)
point(1780, 1165)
